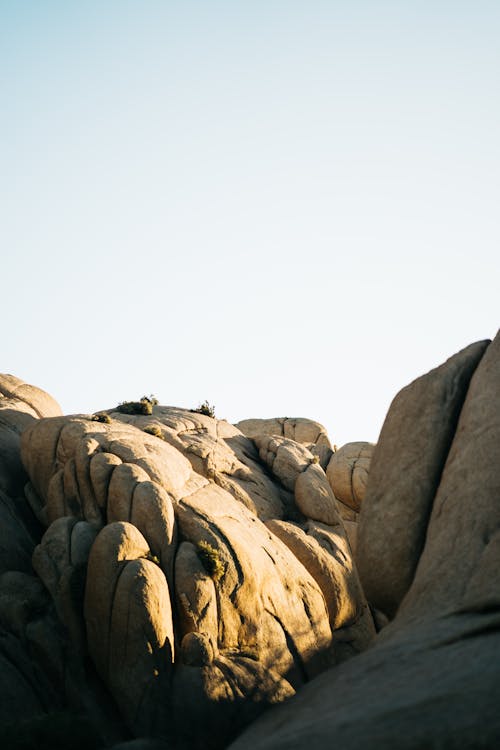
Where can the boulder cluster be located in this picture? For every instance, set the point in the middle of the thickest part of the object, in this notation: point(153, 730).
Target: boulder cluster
point(170, 580)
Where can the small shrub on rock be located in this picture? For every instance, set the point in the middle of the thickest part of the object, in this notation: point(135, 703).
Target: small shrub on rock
point(144, 406)
point(153, 429)
point(210, 558)
point(153, 558)
point(101, 416)
point(205, 408)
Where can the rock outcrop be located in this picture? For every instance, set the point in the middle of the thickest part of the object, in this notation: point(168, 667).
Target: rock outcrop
point(170, 580)
point(202, 574)
point(429, 555)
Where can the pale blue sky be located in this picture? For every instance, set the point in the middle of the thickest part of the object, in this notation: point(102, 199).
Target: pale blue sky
point(286, 208)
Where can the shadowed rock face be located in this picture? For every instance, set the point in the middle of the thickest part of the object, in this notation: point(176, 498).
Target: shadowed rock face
point(429, 556)
point(207, 575)
point(405, 473)
point(31, 639)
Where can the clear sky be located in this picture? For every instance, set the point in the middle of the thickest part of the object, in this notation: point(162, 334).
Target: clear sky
point(286, 208)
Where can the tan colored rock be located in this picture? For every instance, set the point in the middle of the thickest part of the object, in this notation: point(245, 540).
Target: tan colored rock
point(457, 567)
point(431, 677)
point(196, 595)
point(286, 458)
point(325, 552)
point(268, 603)
point(129, 619)
point(347, 473)
point(314, 496)
point(247, 612)
point(133, 497)
point(351, 529)
point(405, 472)
point(60, 560)
point(39, 401)
point(217, 451)
point(300, 430)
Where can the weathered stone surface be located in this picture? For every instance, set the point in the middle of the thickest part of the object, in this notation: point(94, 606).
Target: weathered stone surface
point(431, 677)
point(40, 402)
point(458, 566)
point(325, 552)
point(40, 669)
point(347, 473)
point(31, 649)
point(314, 497)
point(304, 431)
point(268, 603)
point(196, 594)
point(435, 686)
point(405, 472)
point(60, 560)
point(218, 452)
point(193, 605)
point(286, 458)
point(198, 576)
point(20, 406)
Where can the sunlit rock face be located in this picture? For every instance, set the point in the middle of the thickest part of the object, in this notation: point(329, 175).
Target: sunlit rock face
point(346, 468)
point(429, 557)
point(202, 573)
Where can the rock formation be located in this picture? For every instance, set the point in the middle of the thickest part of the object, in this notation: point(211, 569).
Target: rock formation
point(194, 574)
point(429, 556)
point(169, 580)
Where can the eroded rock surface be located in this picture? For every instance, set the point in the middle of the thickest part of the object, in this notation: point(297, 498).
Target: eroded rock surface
point(207, 575)
point(347, 473)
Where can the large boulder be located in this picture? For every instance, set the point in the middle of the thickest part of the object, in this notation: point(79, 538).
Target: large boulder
point(431, 677)
point(405, 473)
point(207, 575)
point(347, 472)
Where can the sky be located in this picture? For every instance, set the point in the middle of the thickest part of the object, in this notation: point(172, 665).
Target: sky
point(284, 208)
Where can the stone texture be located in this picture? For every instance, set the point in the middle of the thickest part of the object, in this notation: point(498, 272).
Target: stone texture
point(405, 472)
point(314, 497)
point(20, 405)
point(38, 401)
point(347, 473)
point(198, 612)
point(433, 687)
point(304, 431)
point(458, 566)
point(431, 677)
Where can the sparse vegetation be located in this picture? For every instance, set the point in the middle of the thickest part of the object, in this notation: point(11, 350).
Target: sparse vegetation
point(144, 406)
point(210, 559)
point(205, 408)
point(153, 429)
point(153, 558)
point(101, 416)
